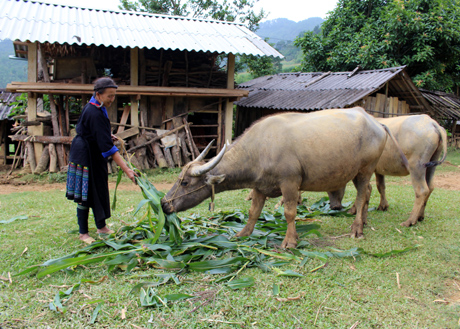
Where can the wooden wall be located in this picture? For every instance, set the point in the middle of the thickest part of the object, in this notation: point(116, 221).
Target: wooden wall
point(382, 106)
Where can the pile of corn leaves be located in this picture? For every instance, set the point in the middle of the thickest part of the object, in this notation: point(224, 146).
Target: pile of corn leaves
point(177, 245)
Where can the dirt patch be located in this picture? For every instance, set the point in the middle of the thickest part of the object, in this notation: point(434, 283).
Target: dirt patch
point(447, 181)
point(453, 292)
point(15, 187)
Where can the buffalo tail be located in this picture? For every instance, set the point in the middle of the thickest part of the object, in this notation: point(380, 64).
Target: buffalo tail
point(443, 135)
point(401, 153)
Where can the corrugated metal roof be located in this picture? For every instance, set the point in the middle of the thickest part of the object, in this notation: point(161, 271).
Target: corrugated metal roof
point(445, 105)
point(35, 21)
point(314, 90)
point(5, 99)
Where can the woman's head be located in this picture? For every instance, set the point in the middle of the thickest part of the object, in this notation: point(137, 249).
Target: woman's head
point(105, 90)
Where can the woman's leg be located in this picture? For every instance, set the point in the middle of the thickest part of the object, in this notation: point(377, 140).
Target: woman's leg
point(82, 216)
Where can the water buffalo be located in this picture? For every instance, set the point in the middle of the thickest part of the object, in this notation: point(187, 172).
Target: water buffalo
point(422, 140)
point(285, 153)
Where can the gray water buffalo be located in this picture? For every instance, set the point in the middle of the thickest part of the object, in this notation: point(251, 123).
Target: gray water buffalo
point(422, 140)
point(285, 153)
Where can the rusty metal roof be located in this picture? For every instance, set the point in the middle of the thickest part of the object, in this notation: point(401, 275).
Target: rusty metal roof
point(445, 106)
point(314, 90)
point(6, 98)
point(43, 22)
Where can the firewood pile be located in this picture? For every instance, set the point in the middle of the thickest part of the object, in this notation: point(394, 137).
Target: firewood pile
point(160, 148)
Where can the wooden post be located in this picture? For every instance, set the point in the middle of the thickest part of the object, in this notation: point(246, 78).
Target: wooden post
point(31, 156)
point(229, 105)
point(219, 126)
point(134, 78)
point(32, 74)
point(53, 158)
point(54, 113)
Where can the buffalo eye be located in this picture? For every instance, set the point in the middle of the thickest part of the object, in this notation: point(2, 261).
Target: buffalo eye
point(184, 183)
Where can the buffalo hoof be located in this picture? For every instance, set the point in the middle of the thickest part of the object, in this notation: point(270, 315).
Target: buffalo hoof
point(337, 207)
point(244, 232)
point(408, 223)
point(288, 244)
point(421, 218)
point(357, 231)
point(352, 210)
point(382, 207)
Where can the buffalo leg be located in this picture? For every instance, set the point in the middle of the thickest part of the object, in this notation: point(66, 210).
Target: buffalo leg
point(290, 211)
point(258, 201)
point(335, 198)
point(361, 182)
point(380, 179)
point(422, 192)
point(352, 210)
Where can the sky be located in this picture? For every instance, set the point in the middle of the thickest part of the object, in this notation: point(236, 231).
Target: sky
point(295, 10)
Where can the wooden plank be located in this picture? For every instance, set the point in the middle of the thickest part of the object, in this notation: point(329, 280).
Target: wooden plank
point(63, 88)
point(134, 111)
point(380, 104)
point(128, 133)
point(124, 119)
point(395, 106)
point(134, 66)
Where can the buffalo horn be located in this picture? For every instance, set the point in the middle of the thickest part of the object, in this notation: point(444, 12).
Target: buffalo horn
point(204, 153)
point(200, 170)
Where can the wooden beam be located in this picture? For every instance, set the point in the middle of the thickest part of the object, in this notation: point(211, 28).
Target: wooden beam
point(69, 88)
point(43, 139)
point(229, 105)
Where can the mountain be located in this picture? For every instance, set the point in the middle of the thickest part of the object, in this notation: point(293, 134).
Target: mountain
point(283, 29)
point(11, 70)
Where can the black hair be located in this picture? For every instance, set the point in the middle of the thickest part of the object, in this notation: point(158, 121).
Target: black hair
point(101, 84)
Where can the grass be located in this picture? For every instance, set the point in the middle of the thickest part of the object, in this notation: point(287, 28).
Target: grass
point(344, 292)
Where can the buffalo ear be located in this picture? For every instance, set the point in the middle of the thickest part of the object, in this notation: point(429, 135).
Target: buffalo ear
point(212, 180)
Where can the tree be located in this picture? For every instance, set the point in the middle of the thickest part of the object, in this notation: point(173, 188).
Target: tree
point(231, 11)
point(422, 34)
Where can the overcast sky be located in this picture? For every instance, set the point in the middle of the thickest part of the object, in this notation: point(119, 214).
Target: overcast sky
point(295, 10)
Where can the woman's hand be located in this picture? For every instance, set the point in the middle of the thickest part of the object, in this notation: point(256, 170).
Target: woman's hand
point(131, 175)
point(122, 164)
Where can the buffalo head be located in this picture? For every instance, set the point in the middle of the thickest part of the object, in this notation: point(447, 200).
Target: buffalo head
point(194, 183)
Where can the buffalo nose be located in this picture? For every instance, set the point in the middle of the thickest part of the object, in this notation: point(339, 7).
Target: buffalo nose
point(167, 208)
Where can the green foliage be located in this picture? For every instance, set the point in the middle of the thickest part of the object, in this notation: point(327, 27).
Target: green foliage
point(231, 11)
point(261, 65)
point(422, 34)
point(12, 70)
point(20, 105)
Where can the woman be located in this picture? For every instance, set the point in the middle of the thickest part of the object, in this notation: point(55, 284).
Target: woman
point(87, 182)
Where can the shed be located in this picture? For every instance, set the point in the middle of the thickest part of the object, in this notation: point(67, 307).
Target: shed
point(167, 68)
point(384, 93)
point(446, 108)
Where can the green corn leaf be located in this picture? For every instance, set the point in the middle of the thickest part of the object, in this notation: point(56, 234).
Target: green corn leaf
point(241, 283)
point(214, 264)
point(390, 253)
point(114, 202)
point(96, 312)
point(275, 290)
point(7, 221)
point(287, 273)
point(176, 297)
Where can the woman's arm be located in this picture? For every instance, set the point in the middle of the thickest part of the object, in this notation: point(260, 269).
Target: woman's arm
point(120, 162)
